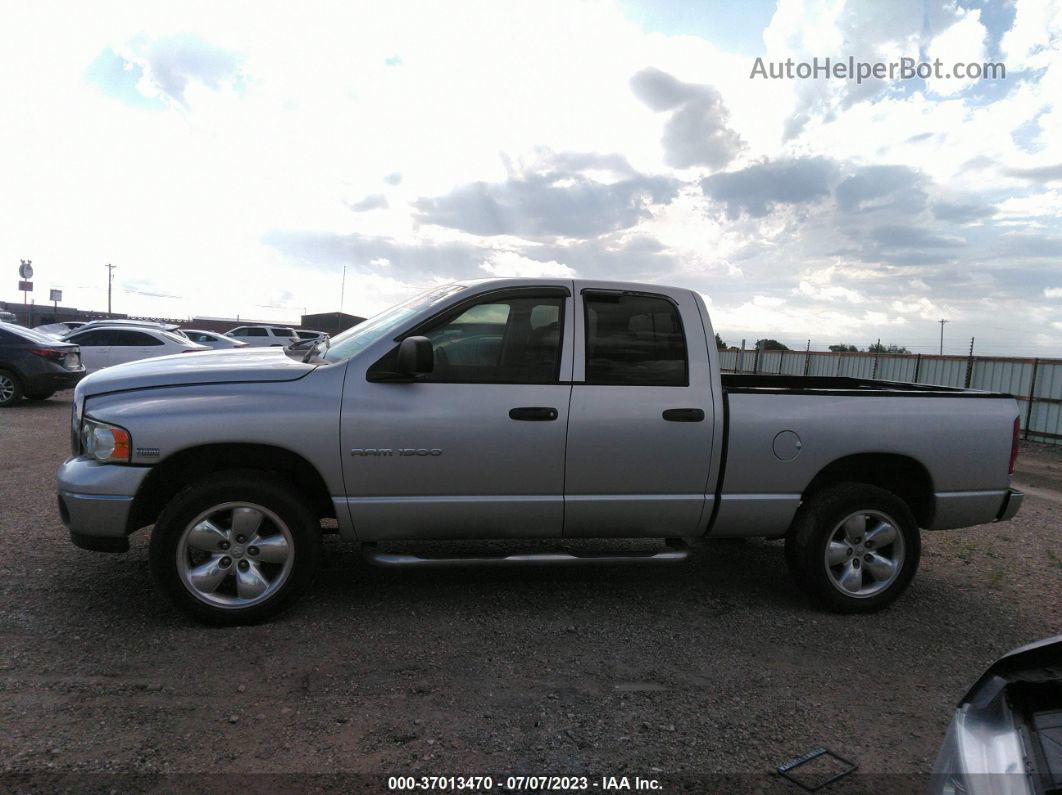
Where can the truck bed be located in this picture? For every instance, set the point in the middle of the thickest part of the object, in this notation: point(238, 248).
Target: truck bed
point(842, 385)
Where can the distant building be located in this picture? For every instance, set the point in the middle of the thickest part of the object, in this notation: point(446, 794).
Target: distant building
point(31, 315)
point(330, 322)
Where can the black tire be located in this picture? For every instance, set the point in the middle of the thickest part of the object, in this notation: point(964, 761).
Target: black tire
point(254, 488)
point(10, 389)
point(40, 395)
point(819, 522)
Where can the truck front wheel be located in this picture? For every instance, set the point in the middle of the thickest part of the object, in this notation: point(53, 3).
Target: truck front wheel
point(235, 548)
point(854, 547)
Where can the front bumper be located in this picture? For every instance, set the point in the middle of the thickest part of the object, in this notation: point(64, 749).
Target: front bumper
point(1011, 505)
point(95, 500)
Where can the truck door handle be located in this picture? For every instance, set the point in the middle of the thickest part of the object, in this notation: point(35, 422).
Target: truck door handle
point(533, 413)
point(684, 415)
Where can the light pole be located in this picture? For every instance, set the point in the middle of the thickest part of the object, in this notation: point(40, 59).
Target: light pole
point(942, 321)
point(110, 280)
point(343, 288)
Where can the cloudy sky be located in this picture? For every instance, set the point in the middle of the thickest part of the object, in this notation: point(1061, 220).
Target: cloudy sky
point(230, 158)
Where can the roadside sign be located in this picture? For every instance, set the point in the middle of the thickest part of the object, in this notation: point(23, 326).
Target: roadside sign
point(26, 287)
point(55, 296)
point(25, 269)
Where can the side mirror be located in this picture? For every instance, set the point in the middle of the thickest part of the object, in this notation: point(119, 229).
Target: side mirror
point(415, 356)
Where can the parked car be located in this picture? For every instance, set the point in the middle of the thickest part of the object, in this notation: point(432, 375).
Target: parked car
point(59, 329)
point(264, 336)
point(212, 339)
point(521, 408)
point(7, 317)
point(172, 328)
point(1006, 733)
point(35, 366)
point(104, 346)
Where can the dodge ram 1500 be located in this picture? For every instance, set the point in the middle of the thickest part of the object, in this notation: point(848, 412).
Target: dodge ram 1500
point(521, 409)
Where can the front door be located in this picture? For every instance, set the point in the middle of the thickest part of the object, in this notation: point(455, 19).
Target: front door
point(95, 348)
point(474, 449)
point(641, 421)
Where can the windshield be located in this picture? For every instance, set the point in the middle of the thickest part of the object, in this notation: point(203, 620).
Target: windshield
point(385, 324)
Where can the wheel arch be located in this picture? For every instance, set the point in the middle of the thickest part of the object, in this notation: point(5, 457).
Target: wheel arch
point(904, 476)
point(179, 469)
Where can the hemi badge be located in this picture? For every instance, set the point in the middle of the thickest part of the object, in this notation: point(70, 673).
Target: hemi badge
point(147, 452)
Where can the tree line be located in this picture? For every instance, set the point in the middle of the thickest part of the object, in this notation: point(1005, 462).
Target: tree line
point(841, 347)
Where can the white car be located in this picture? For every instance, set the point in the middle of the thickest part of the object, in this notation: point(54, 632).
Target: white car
point(264, 336)
point(104, 346)
point(60, 329)
point(154, 325)
point(212, 339)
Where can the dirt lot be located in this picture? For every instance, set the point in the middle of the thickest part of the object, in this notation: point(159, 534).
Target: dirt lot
point(714, 667)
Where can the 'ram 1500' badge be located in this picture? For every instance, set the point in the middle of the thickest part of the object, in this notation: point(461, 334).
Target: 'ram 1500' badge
point(377, 451)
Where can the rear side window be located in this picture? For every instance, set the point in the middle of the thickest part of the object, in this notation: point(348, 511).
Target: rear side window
point(634, 340)
point(131, 339)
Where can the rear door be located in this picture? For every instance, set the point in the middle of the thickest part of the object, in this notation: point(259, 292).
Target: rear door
point(641, 422)
point(95, 348)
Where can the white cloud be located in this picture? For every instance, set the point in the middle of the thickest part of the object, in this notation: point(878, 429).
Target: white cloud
point(509, 263)
point(963, 42)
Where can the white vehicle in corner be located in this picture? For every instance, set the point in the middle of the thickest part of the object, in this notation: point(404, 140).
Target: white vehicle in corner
point(213, 339)
point(262, 336)
point(105, 346)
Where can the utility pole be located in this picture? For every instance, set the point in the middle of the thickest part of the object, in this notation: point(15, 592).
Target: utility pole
point(942, 321)
point(110, 281)
point(343, 288)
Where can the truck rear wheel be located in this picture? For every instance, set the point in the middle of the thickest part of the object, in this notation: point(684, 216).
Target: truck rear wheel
point(235, 548)
point(854, 547)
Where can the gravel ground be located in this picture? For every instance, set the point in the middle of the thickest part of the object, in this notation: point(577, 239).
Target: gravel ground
point(687, 674)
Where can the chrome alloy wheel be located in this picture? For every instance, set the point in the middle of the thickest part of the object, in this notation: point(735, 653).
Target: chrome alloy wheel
point(865, 554)
point(235, 555)
point(7, 388)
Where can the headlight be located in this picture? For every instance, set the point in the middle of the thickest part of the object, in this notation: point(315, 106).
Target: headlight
point(104, 442)
point(982, 753)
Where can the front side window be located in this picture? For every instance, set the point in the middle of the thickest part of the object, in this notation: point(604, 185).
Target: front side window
point(514, 340)
point(92, 339)
point(255, 332)
point(634, 340)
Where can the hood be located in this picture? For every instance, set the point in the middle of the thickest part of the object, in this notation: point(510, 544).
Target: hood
point(1038, 662)
point(208, 367)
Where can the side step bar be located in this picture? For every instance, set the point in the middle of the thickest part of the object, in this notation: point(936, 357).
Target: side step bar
point(678, 552)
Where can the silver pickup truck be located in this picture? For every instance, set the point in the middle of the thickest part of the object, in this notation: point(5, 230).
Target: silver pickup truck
point(520, 409)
